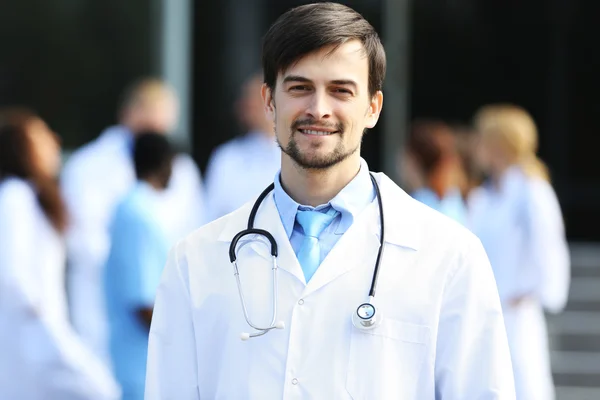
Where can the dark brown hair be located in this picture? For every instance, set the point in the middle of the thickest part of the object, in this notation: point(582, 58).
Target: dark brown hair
point(308, 28)
point(17, 160)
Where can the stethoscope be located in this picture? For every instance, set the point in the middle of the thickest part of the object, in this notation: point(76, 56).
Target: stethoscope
point(366, 316)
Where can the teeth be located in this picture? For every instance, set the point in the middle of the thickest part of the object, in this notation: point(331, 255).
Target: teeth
point(318, 133)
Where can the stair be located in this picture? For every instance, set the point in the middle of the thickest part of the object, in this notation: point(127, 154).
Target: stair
point(575, 333)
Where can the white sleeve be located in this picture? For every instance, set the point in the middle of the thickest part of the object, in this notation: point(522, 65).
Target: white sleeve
point(171, 372)
point(87, 239)
point(472, 354)
point(17, 230)
point(549, 251)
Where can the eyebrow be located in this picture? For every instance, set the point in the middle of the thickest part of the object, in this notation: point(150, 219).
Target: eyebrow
point(298, 78)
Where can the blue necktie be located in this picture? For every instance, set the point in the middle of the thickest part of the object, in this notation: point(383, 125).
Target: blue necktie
point(313, 223)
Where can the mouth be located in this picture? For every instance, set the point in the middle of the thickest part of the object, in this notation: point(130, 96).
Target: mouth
point(317, 132)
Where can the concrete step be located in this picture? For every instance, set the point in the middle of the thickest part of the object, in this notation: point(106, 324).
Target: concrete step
point(577, 393)
point(574, 323)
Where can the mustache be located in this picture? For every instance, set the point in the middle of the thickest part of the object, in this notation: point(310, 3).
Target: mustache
point(313, 122)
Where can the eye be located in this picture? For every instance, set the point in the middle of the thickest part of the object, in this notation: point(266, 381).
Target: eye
point(342, 91)
point(299, 88)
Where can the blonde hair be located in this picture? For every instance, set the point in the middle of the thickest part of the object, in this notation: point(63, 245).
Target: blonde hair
point(515, 130)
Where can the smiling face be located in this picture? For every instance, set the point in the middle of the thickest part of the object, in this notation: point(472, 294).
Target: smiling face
point(321, 106)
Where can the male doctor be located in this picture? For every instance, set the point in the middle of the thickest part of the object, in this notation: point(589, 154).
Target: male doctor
point(440, 334)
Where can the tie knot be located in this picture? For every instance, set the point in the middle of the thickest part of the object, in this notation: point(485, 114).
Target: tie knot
point(314, 222)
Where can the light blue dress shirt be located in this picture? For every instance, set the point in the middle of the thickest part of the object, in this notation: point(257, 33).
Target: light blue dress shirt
point(139, 251)
point(451, 205)
point(349, 202)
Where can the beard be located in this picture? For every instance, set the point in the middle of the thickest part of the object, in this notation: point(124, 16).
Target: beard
point(315, 160)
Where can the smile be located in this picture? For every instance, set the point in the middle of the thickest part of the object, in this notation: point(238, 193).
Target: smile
point(316, 132)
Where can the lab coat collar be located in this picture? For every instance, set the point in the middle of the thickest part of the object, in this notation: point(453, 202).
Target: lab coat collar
point(401, 229)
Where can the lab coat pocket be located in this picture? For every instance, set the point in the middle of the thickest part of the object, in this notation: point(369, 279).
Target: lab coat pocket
point(385, 362)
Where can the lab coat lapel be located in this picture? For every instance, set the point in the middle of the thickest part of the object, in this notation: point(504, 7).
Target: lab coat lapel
point(268, 219)
point(356, 248)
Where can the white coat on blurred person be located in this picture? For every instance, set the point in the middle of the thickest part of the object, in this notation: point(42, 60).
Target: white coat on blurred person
point(41, 356)
point(95, 179)
point(518, 219)
point(241, 168)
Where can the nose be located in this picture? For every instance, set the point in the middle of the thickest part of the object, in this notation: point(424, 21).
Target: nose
point(319, 107)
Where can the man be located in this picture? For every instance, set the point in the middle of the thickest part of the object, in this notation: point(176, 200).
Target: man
point(439, 331)
point(94, 180)
point(241, 168)
point(136, 260)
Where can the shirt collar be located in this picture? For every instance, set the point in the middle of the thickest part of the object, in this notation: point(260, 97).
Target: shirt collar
point(350, 201)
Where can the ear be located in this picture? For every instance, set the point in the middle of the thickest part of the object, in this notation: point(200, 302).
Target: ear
point(374, 109)
point(268, 102)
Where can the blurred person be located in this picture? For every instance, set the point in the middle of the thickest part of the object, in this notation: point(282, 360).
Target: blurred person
point(466, 143)
point(95, 179)
point(438, 332)
point(241, 168)
point(517, 216)
point(432, 169)
point(41, 357)
point(137, 257)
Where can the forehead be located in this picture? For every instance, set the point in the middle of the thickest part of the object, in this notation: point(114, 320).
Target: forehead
point(348, 61)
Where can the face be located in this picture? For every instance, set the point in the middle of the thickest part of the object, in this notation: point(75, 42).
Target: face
point(45, 148)
point(160, 115)
point(250, 108)
point(321, 106)
point(489, 154)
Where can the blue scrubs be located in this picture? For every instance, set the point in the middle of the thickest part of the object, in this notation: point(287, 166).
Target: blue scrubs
point(138, 254)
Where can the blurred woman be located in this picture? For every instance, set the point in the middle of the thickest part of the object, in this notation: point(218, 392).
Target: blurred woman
point(517, 216)
point(432, 170)
point(41, 357)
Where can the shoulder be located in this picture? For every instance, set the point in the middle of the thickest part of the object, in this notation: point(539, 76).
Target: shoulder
point(228, 150)
point(16, 193)
point(422, 228)
point(209, 244)
point(18, 202)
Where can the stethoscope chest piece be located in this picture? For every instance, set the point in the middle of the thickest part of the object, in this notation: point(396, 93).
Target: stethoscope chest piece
point(366, 316)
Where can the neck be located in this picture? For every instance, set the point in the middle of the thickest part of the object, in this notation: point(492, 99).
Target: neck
point(314, 187)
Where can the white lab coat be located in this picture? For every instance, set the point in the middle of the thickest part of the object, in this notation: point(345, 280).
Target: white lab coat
point(442, 335)
point(521, 228)
point(41, 357)
point(94, 180)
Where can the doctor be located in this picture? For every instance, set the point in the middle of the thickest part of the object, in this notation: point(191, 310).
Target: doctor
point(439, 331)
point(517, 216)
point(97, 177)
point(41, 356)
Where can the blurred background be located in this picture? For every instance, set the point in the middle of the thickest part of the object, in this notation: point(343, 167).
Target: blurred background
point(70, 60)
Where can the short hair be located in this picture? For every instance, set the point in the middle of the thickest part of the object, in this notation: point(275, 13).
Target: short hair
point(308, 28)
point(152, 153)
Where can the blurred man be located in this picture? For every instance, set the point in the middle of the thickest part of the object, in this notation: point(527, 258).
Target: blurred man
point(241, 168)
point(97, 176)
point(137, 256)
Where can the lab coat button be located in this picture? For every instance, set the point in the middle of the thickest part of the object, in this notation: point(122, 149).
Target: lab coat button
point(294, 381)
point(301, 301)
